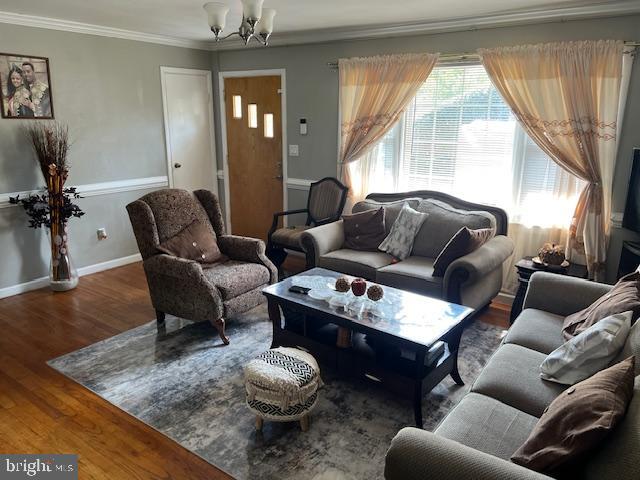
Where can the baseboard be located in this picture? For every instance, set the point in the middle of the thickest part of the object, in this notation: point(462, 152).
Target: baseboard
point(504, 298)
point(82, 271)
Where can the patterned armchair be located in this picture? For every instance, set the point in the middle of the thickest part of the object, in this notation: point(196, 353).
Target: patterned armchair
point(183, 287)
point(324, 205)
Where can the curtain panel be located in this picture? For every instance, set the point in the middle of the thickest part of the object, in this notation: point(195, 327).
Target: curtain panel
point(374, 91)
point(566, 96)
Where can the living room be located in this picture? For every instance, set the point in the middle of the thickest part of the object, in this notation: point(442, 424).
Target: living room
point(333, 241)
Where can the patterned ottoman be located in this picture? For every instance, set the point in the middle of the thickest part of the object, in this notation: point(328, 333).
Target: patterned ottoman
point(282, 385)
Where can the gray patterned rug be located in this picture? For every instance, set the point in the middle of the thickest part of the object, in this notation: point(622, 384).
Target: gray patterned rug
point(187, 386)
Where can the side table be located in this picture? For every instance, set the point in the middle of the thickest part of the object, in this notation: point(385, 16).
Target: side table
point(526, 267)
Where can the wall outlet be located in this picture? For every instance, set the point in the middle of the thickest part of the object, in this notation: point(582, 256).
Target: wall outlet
point(294, 151)
point(101, 233)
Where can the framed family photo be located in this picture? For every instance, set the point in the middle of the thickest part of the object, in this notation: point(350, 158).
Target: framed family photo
point(25, 87)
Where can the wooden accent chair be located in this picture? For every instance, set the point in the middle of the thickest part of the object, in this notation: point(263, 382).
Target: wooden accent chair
point(183, 287)
point(324, 205)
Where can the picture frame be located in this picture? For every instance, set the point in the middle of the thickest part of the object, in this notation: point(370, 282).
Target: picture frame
point(25, 87)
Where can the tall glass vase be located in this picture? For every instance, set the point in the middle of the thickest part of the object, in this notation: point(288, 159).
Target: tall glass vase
point(62, 273)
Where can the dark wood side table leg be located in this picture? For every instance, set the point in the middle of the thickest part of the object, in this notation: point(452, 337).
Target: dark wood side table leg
point(417, 386)
point(276, 321)
point(454, 347)
point(518, 300)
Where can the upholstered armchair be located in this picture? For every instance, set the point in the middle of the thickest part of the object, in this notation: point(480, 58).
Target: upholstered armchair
point(183, 287)
point(324, 205)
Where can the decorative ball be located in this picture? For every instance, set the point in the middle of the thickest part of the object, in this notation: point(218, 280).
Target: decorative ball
point(375, 292)
point(342, 284)
point(359, 287)
point(551, 254)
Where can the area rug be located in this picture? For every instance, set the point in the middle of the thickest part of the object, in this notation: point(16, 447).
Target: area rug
point(183, 383)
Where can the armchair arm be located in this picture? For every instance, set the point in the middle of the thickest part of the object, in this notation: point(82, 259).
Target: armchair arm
point(179, 287)
point(276, 216)
point(320, 240)
point(561, 294)
point(247, 249)
point(418, 455)
point(476, 266)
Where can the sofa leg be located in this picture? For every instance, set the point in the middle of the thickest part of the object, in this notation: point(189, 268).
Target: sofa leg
point(160, 317)
point(219, 324)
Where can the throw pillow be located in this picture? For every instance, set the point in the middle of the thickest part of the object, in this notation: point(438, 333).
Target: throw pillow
point(462, 243)
point(588, 352)
point(399, 242)
point(194, 242)
point(364, 230)
point(623, 297)
point(578, 419)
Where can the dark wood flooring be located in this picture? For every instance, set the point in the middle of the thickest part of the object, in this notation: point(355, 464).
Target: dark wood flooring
point(41, 411)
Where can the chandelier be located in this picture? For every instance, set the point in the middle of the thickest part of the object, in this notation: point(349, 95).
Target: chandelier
point(257, 22)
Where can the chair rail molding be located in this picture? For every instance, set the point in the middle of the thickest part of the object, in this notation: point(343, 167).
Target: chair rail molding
point(101, 188)
point(299, 183)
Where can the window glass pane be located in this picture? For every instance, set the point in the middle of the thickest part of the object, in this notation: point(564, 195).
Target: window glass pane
point(252, 113)
point(268, 125)
point(459, 136)
point(237, 106)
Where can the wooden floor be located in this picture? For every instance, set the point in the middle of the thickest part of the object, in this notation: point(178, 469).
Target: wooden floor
point(41, 411)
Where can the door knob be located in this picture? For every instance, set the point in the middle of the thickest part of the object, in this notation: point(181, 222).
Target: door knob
point(278, 177)
point(177, 165)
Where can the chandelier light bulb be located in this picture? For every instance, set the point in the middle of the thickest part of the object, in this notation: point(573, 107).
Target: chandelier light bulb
point(252, 10)
point(217, 13)
point(265, 25)
point(257, 24)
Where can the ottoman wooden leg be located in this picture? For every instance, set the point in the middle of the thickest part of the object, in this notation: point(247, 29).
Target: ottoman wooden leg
point(259, 423)
point(219, 324)
point(304, 423)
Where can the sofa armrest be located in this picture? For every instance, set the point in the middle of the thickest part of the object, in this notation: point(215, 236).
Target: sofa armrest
point(320, 240)
point(561, 294)
point(175, 267)
point(247, 249)
point(475, 266)
point(418, 455)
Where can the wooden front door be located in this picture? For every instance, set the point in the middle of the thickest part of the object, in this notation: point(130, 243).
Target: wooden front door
point(254, 148)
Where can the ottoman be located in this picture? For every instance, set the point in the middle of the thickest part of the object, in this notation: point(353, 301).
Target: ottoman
point(282, 386)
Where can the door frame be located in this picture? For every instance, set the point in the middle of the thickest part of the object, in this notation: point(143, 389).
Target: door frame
point(164, 71)
point(223, 128)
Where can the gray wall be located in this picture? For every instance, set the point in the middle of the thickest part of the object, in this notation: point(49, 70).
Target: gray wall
point(312, 89)
point(108, 91)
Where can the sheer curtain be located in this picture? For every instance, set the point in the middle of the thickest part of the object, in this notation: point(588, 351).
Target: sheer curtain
point(567, 98)
point(373, 93)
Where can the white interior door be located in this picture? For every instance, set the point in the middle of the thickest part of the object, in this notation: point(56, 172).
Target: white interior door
point(188, 126)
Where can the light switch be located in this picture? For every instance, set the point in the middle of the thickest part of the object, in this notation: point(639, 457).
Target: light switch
point(293, 150)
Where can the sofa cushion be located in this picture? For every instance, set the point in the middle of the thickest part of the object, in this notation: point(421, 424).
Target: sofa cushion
point(631, 347)
point(234, 278)
point(391, 209)
point(444, 221)
point(414, 274)
point(618, 456)
point(488, 425)
point(355, 262)
point(513, 377)
point(537, 330)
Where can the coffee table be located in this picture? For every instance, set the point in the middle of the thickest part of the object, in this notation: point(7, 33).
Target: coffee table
point(412, 326)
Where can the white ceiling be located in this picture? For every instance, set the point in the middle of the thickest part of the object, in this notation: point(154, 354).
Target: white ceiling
point(185, 19)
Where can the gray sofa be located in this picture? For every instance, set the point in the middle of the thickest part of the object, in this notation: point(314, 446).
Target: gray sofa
point(472, 280)
point(480, 434)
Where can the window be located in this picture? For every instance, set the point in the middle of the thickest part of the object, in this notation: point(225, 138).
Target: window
point(252, 113)
point(268, 125)
point(237, 106)
point(459, 136)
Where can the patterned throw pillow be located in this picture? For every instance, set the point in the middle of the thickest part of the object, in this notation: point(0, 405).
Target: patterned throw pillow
point(399, 242)
point(588, 352)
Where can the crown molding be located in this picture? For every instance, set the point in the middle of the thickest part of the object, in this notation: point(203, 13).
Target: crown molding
point(102, 31)
point(520, 17)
